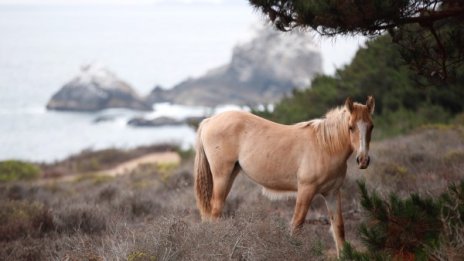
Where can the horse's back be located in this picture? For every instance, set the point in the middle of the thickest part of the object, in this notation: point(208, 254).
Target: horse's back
point(232, 122)
point(262, 148)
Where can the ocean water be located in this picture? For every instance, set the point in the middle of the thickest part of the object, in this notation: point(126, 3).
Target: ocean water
point(43, 47)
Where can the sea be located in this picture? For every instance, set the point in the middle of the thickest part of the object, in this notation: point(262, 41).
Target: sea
point(44, 46)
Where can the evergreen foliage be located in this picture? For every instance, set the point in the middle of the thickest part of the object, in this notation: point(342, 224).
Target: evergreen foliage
point(453, 211)
point(349, 253)
point(410, 228)
point(362, 16)
point(430, 32)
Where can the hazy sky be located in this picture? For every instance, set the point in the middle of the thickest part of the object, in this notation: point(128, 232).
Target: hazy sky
point(336, 51)
point(131, 2)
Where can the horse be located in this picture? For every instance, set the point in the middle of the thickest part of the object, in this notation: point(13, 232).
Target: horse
point(306, 158)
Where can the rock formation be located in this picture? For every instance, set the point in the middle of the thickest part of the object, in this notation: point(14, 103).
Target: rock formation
point(96, 88)
point(260, 71)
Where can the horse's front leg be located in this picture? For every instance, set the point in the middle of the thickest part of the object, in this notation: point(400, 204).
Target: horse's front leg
point(334, 207)
point(304, 197)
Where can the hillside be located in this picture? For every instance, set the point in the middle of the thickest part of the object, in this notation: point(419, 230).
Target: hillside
point(149, 213)
point(260, 71)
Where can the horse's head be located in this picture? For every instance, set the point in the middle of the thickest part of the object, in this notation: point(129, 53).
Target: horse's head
point(360, 129)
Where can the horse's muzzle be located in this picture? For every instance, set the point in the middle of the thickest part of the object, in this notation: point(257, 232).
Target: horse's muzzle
point(363, 162)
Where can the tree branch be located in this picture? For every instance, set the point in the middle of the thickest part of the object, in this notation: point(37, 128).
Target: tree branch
point(442, 50)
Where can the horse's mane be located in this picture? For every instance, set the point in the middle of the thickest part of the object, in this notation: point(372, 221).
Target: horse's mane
point(332, 130)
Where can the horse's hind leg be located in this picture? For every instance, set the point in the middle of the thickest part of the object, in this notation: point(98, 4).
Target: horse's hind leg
point(223, 178)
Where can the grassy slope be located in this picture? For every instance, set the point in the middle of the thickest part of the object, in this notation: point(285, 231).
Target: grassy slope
point(150, 214)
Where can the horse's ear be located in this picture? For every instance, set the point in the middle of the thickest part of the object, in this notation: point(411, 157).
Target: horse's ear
point(370, 104)
point(349, 104)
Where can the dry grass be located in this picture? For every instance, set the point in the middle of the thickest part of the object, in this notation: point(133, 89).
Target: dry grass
point(425, 161)
point(150, 213)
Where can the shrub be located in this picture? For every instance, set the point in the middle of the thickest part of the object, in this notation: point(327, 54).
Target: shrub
point(16, 192)
point(179, 180)
point(28, 249)
point(453, 210)
point(12, 170)
point(454, 157)
point(410, 228)
point(22, 218)
point(108, 193)
point(86, 219)
point(138, 205)
point(186, 154)
point(399, 227)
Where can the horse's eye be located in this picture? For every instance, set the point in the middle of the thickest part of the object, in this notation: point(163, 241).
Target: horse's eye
point(350, 128)
point(372, 127)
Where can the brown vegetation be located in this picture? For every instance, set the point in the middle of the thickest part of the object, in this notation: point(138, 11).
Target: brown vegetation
point(91, 161)
point(150, 213)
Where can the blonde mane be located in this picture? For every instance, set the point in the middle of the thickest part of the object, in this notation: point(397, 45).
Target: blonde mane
point(332, 130)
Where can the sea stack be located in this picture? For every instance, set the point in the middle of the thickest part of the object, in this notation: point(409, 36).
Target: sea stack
point(94, 89)
point(261, 71)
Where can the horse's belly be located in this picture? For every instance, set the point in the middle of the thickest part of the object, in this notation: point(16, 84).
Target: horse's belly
point(270, 177)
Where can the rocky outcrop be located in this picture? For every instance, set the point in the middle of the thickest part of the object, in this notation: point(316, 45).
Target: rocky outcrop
point(95, 89)
point(164, 121)
point(157, 122)
point(260, 71)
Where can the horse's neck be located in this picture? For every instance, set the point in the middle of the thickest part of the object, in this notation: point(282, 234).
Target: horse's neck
point(333, 137)
point(343, 147)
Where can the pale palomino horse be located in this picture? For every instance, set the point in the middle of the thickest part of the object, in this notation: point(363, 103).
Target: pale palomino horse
point(308, 158)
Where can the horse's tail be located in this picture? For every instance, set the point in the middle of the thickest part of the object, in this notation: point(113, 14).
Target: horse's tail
point(203, 178)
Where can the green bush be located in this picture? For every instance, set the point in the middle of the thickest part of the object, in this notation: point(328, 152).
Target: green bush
point(410, 228)
point(185, 154)
point(12, 170)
